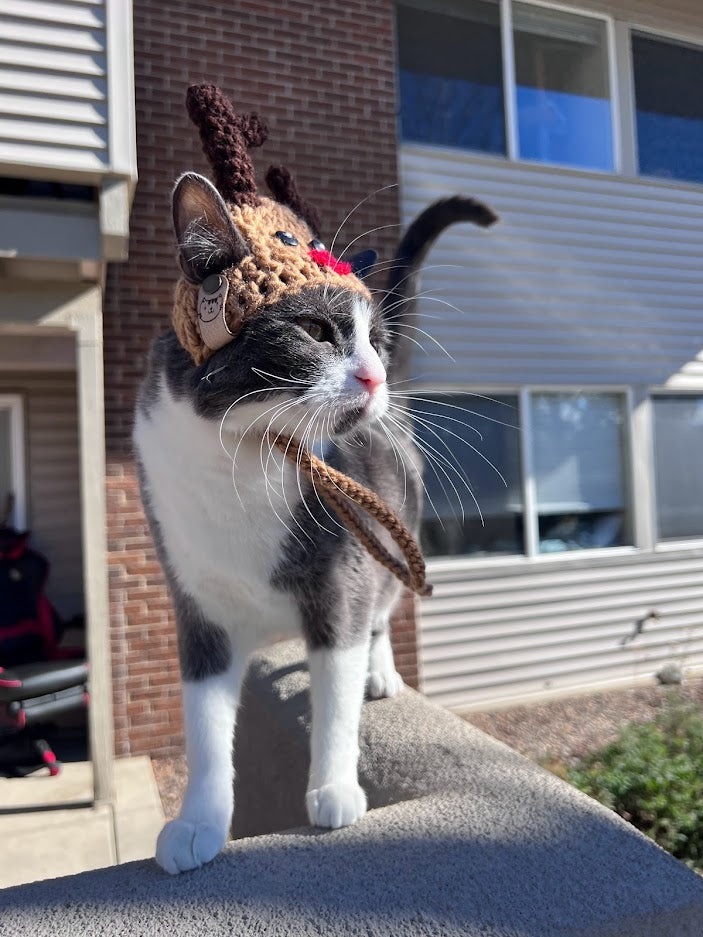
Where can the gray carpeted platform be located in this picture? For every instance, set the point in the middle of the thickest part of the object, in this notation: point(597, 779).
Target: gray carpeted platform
point(481, 844)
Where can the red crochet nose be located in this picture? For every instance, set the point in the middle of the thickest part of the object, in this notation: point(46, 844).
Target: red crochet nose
point(325, 259)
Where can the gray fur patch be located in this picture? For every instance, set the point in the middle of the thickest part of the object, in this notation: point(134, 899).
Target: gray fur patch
point(337, 584)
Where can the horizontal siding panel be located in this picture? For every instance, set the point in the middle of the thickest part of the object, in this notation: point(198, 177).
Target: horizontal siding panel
point(54, 60)
point(60, 86)
point(540, 677)
point(77, 112)
point(53, 87)
point(531, 638)
point(64, 134)
point(597, 277)
point(80, 160)
point(511, 634)
point(90, 15)
point(540, 585)
point(51, 36)
point(594, 646)
point(443, 643)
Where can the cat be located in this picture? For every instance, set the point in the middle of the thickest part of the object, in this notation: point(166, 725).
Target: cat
point(249, 550)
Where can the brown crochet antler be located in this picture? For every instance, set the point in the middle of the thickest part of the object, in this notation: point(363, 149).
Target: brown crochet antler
point(280, 181)
point(225, 137)
point(341, 492)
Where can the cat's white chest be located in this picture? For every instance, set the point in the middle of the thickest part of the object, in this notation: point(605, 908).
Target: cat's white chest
point(222, 530)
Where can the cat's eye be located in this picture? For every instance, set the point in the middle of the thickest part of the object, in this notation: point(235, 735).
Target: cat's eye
point(316, 245)
point(288, 239)
point(314, 329)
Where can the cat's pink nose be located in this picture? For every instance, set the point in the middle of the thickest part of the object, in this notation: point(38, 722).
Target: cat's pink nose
point(371, 378)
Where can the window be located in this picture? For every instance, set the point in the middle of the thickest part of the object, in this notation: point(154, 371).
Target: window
point(12, 459)
point(678, 456)
point(472, 451)
point(562, 94)
point(668, 76)
point(577, 452)
point(450, 59)
point(474, 502)
point(450, 74)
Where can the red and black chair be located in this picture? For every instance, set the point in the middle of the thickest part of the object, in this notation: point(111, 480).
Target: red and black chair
point(40, 681)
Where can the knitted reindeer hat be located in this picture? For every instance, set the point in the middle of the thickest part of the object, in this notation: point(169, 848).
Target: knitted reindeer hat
point(276, 252)
point(280, 250)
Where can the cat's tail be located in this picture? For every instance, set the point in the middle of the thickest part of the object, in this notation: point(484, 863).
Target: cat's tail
point(404, 278)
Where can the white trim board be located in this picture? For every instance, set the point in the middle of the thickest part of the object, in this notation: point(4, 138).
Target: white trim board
point(13, 403)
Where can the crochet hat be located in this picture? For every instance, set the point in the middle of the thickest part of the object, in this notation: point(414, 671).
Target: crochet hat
point(278, 249)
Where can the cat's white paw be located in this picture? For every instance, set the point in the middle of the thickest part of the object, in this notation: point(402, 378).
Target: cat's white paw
point(183, 845)
point(335, 805)
point(383, 683)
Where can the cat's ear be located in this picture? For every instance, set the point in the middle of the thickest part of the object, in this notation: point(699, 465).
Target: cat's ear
point(208, 241)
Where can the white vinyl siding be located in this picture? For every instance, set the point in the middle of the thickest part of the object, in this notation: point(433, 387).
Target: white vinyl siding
point(494, 636)
point(54, 86)
point(591, 282)
point(587, 278)
point(51, 458)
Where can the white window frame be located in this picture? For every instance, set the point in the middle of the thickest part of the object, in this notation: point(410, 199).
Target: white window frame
point(512, 143)
point(664, 36)
point(14, 404)
point(509, 87)
point(529, 509)
point(681, 543)
point(621, 83)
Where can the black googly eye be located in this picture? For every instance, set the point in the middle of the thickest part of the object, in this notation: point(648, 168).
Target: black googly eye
point(314, 329)
point(316, 245)
point(287, 238)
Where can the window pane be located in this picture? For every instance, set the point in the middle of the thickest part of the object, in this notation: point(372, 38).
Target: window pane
point(578, 463)
point(450, 74)
point(668, 79)
point(444, 430)
point(5, 459)
point(678, 457)
point(562, 94)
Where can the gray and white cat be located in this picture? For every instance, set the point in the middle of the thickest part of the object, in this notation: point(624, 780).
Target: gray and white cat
point(249, 551)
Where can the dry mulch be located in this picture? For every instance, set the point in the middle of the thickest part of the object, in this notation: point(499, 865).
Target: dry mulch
point(171, 774)
point(565, 730)
point(561, 730)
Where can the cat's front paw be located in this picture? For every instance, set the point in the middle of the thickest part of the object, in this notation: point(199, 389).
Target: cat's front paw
point(383, 683)
point(183, 845)
point(335, 805)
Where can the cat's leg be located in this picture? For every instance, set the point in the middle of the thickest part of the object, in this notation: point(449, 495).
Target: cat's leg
point(337, 677)
point(382, 680)
point(209, 709)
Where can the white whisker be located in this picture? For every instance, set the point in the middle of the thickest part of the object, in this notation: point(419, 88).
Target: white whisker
point(383, 188)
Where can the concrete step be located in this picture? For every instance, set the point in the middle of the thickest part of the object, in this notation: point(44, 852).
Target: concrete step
point(50, 842)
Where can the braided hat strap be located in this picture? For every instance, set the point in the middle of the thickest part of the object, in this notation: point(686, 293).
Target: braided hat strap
point(341, 492)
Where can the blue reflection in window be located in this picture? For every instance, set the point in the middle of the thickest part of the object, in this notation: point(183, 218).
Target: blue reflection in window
point(669, 108)
point(450, 74)
point(451, 112)
point(670, 147)
point(568, 129)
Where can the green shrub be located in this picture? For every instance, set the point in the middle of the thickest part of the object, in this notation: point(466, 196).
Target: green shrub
point(652, 775)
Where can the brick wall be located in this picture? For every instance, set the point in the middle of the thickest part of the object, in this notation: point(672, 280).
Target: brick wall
point(325, 82)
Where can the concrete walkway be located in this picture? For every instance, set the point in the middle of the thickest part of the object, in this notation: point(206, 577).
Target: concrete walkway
point(47, 843)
